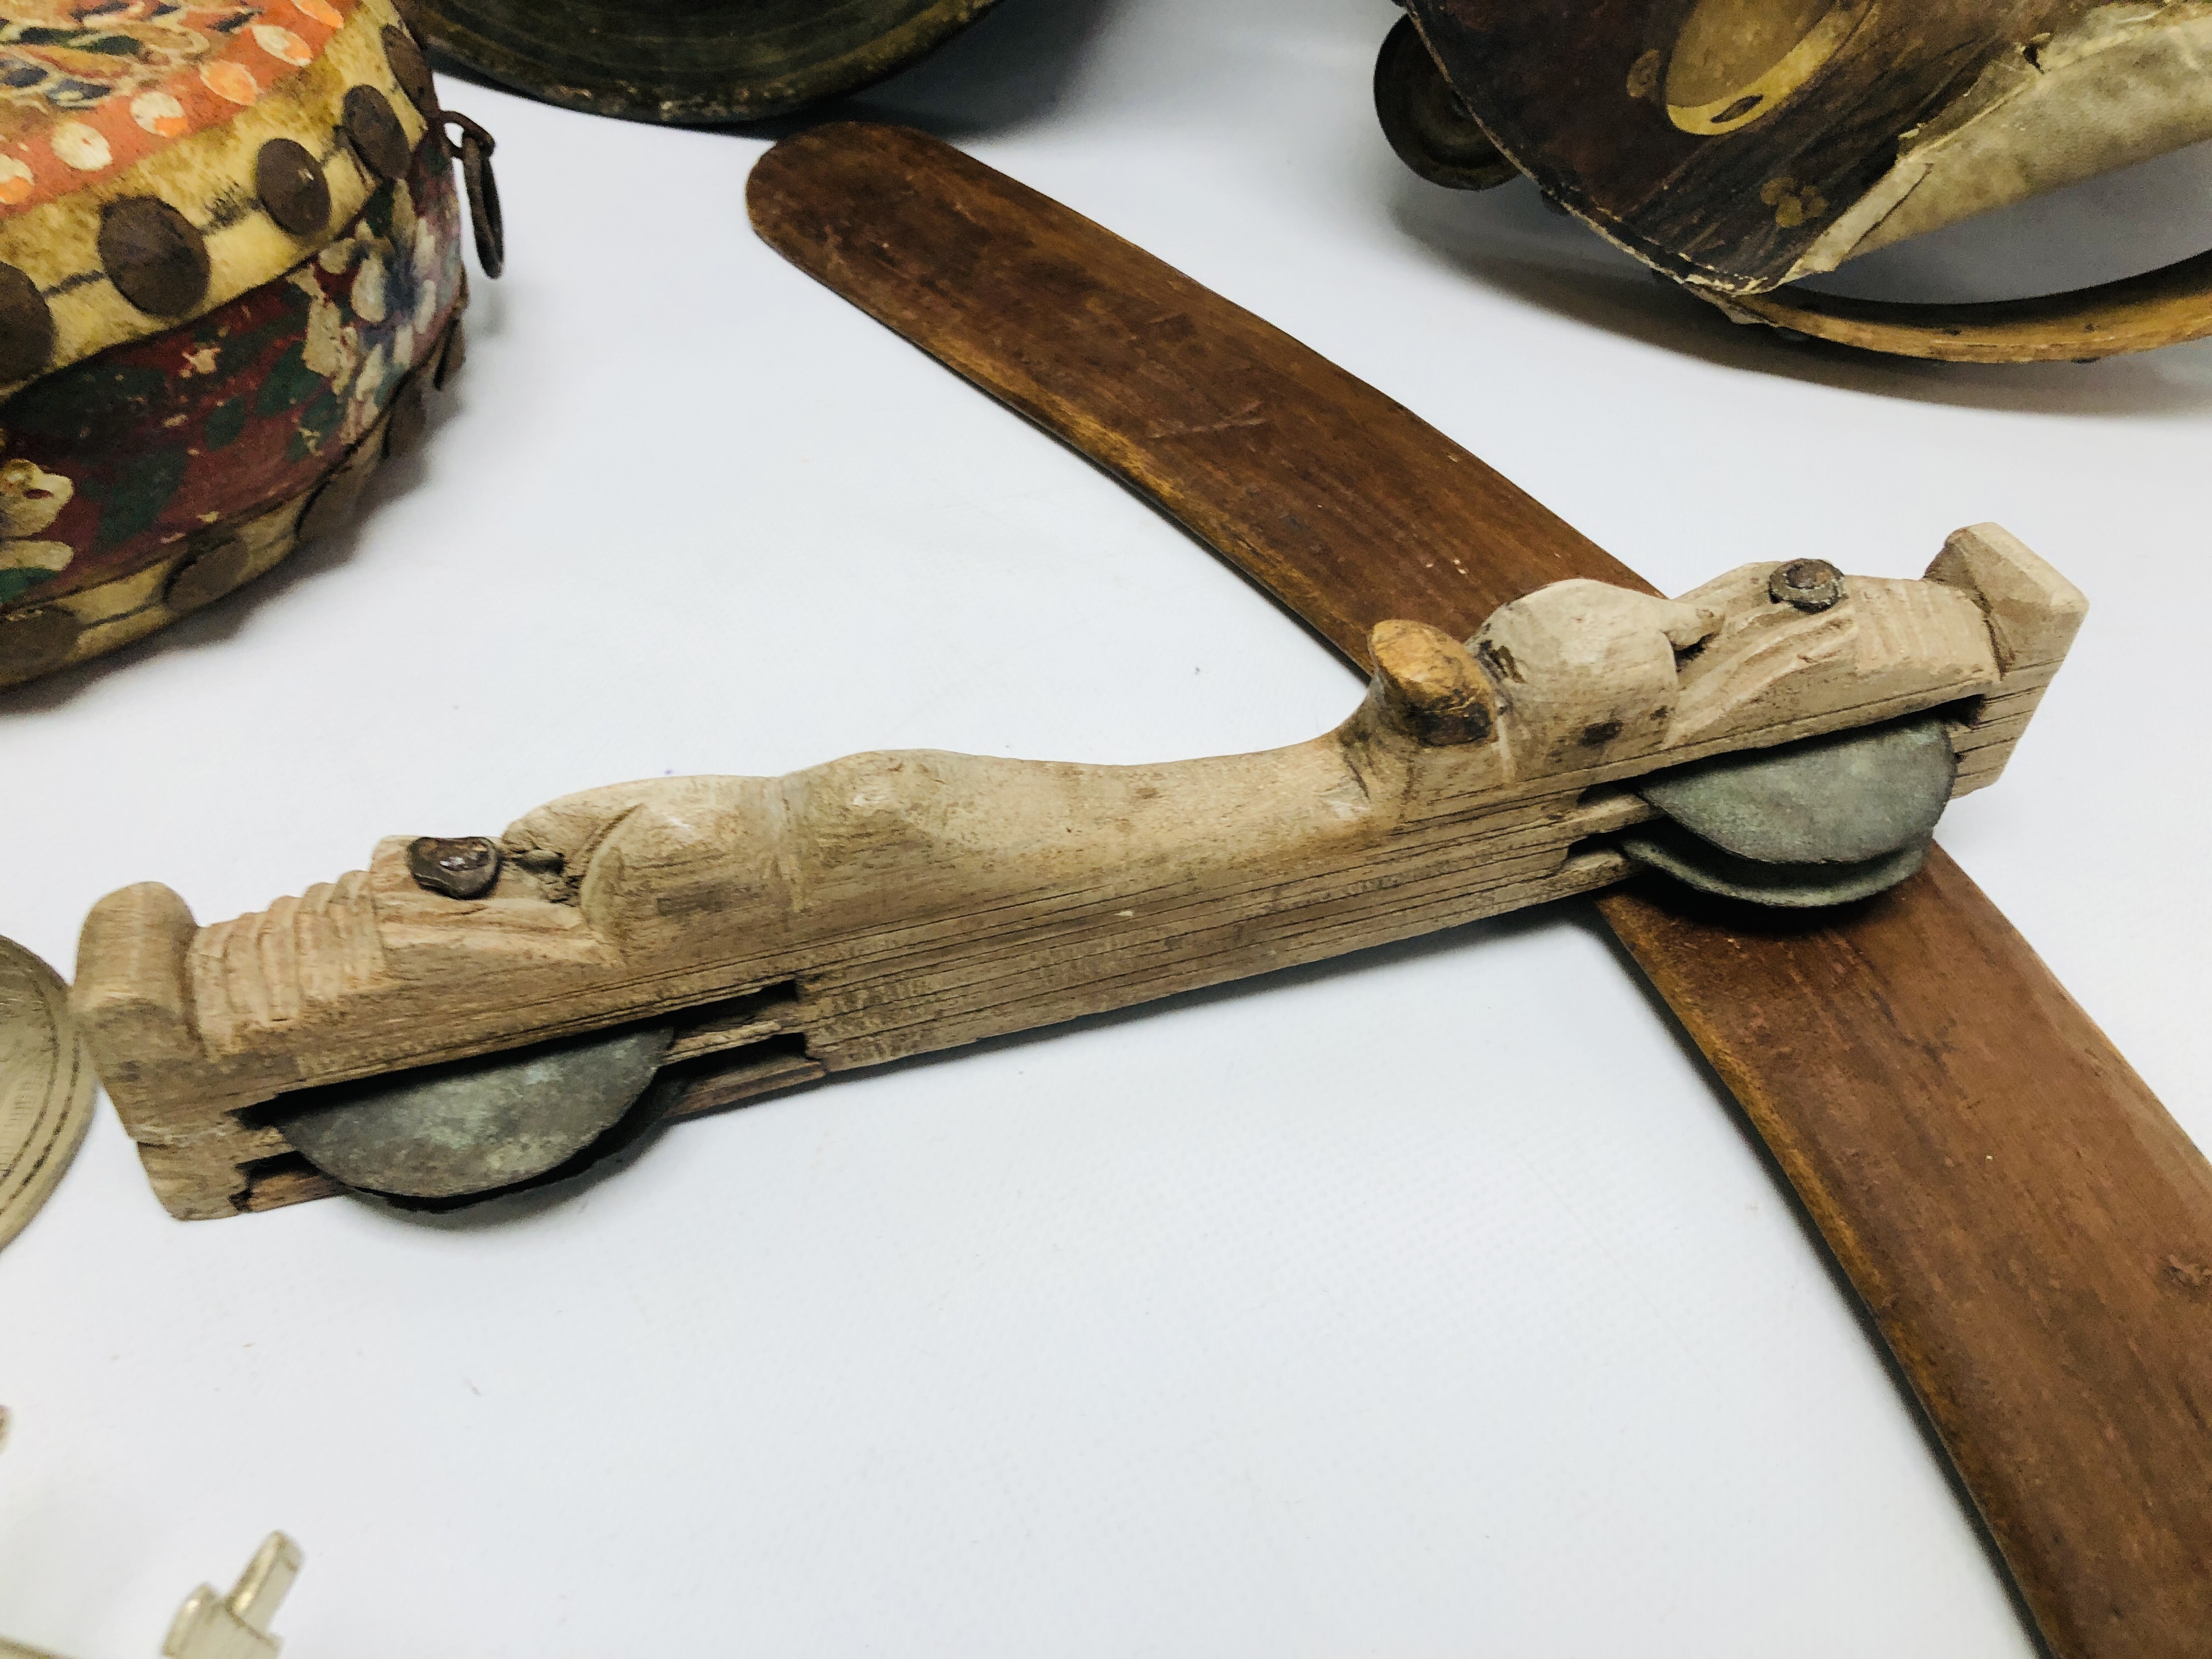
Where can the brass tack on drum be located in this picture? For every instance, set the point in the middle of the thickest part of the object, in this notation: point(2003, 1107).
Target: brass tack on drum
point(27, 326)
point(375, 132)
point(332, 504)
point(408, 419)
point(153, 256)
point(206, 574)
point(292, 187)
point(408, 68)
point(450, 358)
point(37, 642)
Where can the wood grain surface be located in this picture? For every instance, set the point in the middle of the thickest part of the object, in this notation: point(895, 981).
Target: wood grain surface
point(2029, 1228)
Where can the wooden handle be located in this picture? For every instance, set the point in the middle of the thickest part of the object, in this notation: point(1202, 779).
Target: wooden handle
point(2031, 1229)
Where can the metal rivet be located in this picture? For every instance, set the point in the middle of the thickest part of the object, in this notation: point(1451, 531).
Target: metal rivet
point(291, 185)
point(153, 256)
point(465, 868)
point(450, 358)
point(375, 132)
point(37, 642)
point(207, 573)
point(410, 71)
point(404, 426)
point(27, 326)
point(1808, 584)
point(332, 505)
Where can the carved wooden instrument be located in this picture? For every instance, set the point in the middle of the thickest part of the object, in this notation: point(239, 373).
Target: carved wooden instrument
point(1736, 146)
point(2028, 1227)
point(770, 930)
point(732, 936)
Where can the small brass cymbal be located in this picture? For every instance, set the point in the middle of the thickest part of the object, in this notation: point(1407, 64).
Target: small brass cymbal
point(46, 1085)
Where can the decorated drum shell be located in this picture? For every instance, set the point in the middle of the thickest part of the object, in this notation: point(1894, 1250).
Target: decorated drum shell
point(700, 63)
point(1741, 144)
point(230, 267)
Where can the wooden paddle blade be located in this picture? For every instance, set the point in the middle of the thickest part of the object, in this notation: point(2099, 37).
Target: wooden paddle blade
point(2030, 1227)
point(1270, 454)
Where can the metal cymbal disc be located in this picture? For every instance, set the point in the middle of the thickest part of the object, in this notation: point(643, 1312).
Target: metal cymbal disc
point(1699, 864)
point(476, 1126)
point(46, 1085)
point(1843, 798)
point(1822, 821)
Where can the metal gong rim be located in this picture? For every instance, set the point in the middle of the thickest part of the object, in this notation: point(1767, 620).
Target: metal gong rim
point(1700, 864)
point(687, 62)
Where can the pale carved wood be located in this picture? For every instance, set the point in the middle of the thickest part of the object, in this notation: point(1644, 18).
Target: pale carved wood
point(889, 904)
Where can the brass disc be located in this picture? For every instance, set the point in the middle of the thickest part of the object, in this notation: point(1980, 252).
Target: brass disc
point(46, 1085)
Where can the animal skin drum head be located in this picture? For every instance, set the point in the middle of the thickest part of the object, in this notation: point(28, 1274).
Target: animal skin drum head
point(689, 62)
point(1739, 145)
point(230, 271)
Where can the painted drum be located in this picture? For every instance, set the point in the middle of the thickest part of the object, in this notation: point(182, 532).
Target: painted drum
point(230, 261)
point(1738, 145)
point(698, 63)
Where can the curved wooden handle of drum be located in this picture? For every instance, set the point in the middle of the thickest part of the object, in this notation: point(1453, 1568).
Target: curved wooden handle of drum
point(2165, 306)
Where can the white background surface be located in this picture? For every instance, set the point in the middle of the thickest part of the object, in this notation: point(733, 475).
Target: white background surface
point(1430, 1302)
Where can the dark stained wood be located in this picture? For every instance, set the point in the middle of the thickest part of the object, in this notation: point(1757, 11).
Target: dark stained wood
point(693, 64)
point(1272, 455)
point(2031, 1229)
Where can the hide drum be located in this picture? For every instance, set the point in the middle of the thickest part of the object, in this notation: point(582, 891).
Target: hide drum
point(230, 269)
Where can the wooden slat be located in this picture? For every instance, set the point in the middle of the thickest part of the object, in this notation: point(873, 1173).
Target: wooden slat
point(2030, 1227)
